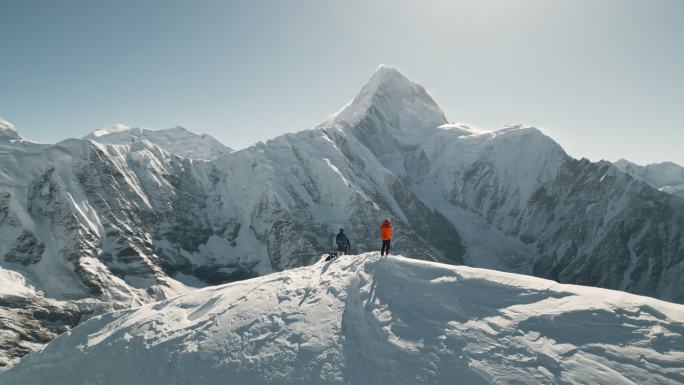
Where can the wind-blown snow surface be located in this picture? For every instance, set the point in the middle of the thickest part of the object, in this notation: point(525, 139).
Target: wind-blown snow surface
point(372, 320)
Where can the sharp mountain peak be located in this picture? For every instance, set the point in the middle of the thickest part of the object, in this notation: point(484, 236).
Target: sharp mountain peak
point(391, 96)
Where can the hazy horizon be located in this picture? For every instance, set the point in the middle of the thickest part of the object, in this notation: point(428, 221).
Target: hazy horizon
point(602, 79)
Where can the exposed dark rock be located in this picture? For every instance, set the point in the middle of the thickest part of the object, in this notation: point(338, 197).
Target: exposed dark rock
point(26, 249)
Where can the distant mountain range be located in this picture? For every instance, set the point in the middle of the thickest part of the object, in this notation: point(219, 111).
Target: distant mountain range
point(128, 216)
point(667, 176)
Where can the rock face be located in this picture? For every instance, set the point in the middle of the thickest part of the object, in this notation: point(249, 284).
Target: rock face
point(29, 319)
point(119, 220)
point(367, 319)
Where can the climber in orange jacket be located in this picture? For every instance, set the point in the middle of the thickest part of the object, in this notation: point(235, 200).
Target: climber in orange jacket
point(386, 235)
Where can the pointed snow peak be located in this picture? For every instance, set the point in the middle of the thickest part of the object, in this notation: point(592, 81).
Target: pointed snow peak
point(179, 128)
point(389, 95)
point(623, 164)
point(387, 74)
point(7, 130)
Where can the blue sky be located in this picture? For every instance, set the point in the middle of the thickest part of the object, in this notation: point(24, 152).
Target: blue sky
point(603, 78)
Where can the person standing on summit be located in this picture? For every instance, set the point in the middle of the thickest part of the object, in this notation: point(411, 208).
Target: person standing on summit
point(386, 235)
point(343, 244)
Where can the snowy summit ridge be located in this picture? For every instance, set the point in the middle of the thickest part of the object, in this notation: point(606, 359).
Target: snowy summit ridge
point(177, 140)
point(371, 320)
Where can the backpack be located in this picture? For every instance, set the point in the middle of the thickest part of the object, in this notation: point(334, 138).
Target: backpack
point(341, 240)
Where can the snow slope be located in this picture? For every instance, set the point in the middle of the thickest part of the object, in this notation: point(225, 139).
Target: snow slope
point(177, 140)
point(371, 320)
point(667, 176)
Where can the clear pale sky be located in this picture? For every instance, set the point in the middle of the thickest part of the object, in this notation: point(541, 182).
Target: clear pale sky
point(603, 78)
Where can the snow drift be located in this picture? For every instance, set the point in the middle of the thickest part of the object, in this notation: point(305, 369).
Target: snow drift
point(372, 320)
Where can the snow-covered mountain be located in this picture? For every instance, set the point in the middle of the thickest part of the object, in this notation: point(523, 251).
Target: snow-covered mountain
point(368, 319)
point(177, 140)
point(667, 176)
point(584, 222)
point(99, 227)
point(120, 220)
